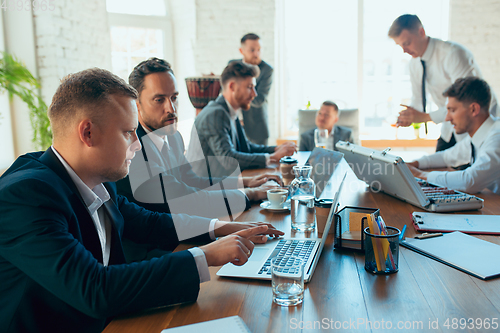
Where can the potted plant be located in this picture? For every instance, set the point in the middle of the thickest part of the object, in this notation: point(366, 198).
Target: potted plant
point(17, 80)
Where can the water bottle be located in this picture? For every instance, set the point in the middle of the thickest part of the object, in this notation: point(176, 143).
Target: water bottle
point(302, 194)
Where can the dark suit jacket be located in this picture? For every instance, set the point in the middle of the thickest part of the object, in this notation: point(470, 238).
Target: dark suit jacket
point(51, 272)
point(171, 176)
point(340, 133)
point(255, 119)
point(212, 127)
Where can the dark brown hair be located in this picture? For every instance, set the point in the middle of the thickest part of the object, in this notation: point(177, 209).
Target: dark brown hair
point(238, 70)
point(469, 90)
point(407, 21)
point(150, 66)
point(85, 93)
point(249, 36)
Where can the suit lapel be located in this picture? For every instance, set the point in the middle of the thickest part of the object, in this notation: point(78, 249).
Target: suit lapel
point(88, 232)
point(336, 136)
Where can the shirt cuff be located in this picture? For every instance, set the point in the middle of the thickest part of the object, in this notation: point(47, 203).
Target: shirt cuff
point(268, 159)
point(211, 228)
point(201, 263)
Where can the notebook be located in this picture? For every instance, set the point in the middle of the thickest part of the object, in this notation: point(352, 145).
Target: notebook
point(469, 224)
point(389, 174)
point(232, 324)
point(258, 265)
point(469, 254)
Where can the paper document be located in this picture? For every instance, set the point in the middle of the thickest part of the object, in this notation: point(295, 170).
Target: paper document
point(470, 224)
point(232, 324)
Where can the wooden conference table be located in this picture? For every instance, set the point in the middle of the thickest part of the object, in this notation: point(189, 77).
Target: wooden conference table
point(342, 296)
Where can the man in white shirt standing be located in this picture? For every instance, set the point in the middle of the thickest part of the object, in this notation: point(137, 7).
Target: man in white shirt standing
point(434, 66)
point(468, 105)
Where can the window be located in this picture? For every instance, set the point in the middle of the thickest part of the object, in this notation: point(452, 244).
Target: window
point(339, 50)
point(138, 31)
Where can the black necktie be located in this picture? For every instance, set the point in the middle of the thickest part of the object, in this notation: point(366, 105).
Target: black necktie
point(472, 154)
point(424, 100)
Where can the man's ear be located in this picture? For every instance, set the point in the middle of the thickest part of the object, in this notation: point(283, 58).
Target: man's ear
point(241, 51)
point(475, 108)
point(421, 32)
point(86, 132)
point(231, 85)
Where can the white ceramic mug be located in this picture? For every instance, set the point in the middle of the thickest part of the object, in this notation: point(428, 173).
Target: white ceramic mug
point(277, 197)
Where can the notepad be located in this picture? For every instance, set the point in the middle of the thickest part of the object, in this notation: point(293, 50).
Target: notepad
point(232, 324)
point(470, 224)
point(469, 254)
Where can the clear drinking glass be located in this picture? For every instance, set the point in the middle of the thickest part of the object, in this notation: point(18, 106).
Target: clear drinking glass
point(287, 274)
point(302, 194)
point(320, 137)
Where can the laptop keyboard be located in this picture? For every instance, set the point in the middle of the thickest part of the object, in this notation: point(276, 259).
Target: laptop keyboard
point(288, 247)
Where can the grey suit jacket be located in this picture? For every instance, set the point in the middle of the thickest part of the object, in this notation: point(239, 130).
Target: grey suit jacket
point(255, 119)
point(340, 133)
point(165, 182)
point(213, 134)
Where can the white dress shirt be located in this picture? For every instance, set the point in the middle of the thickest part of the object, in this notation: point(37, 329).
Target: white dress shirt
point(445, 62)
point(483, 173)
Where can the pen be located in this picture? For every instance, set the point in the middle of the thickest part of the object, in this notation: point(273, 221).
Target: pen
point(428, 235)
point(402, 236)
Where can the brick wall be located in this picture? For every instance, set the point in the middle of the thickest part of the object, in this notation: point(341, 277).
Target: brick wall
point(73, 37)
point(475, 24)
point(207, 35)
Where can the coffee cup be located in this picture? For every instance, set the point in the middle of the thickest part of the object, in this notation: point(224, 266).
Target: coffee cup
point(286, 167)
point(277, 197)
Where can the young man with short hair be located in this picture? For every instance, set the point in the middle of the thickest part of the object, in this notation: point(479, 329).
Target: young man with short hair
point(468, 105)
point(217, 134)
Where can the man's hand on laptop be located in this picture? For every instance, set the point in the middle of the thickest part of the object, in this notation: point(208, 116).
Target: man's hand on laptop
point(227, 228)
point(261, 179)
point(234, 248)
point(417, 172)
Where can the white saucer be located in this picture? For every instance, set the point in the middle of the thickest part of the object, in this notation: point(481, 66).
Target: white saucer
point(266, 205)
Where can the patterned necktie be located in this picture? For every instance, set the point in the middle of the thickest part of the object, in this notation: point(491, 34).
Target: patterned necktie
point(424, 100)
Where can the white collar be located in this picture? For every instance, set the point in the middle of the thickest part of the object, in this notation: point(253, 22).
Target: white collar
point(482, 132)
point(158, 140)
point(93, 198)
point(429, 51)
point(232, 112)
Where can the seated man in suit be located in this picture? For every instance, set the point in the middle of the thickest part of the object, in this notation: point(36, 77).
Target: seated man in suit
point(326, 118)
point(468, 111)
point(173, 186)
point(61, 260)
point(217, 133)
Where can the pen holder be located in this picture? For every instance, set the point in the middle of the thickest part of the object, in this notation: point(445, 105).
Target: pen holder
point(349, 225)
point(382, 251)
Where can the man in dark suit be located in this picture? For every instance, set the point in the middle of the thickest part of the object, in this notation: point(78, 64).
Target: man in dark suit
point(255, 119)
point(61, 261)
point(217, 133)
point(160, 178)
point(326, 118)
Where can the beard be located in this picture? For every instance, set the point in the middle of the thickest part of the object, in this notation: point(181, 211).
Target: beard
point(162, 128)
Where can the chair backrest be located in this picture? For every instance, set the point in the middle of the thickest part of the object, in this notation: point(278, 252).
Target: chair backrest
point(348, 118)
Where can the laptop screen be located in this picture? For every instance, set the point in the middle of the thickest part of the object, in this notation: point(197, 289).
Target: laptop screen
point(324, 163)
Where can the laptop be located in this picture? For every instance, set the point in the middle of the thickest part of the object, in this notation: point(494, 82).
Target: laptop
point(389, 174)
point(259, 263)
point(324, 163)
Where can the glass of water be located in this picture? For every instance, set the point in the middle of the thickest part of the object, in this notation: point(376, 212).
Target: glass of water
point(320, 137)
point(287, 273)
point(302, 194)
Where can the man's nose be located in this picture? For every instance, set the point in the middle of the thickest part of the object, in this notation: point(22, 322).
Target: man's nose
point(136, 145)
point(254, 92)
point(170, 106)
point(448, 116)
